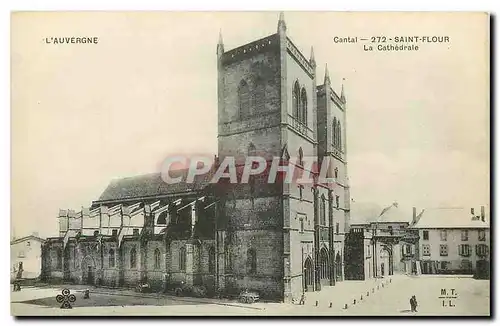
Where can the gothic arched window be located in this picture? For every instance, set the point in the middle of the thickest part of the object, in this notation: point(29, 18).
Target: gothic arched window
point(303, 106)
point(157, 258)
point(251, 261)
point(182, 259)
point(296, 99)
point(211, 260)
point(133, 258)
point(59, 258)
point(334, 133)
point(227, 257)
point(111, 258)
point(339, 129)
point(322, 210)
point(244, 99)
point(260, 95)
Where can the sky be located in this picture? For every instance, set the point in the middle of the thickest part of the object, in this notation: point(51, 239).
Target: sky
point(84, 114)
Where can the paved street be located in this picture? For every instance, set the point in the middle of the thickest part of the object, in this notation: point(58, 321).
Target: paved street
point(385, 297)
point(473, 297)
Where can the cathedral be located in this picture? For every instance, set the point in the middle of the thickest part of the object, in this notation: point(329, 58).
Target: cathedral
point(278, 239)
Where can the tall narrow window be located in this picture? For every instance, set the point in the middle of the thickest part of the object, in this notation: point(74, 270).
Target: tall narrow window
point(182, 259)
point(481, 235)
point(334, 132)
point(301, 157)
point(336, 173)
point(337, 201)
point(133, 258)
point(260, 95)
point(251, 261)
point(339, 136)
point(443, 250)
point(59, 258)
point(444, 235)
point(157, 258)
point(111, 257)
point(211, 260)
point(227, 257)
point(244, 99)
point(465, 235)
point(296, 100)
point(337, 228)
point(303, 106)
point(322, 210)
point(425, 235)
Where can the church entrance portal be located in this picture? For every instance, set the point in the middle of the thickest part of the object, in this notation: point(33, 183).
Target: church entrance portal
point(308, 275)
point(88, 271)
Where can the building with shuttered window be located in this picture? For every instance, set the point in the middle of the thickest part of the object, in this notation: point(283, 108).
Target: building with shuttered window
point(453, 241)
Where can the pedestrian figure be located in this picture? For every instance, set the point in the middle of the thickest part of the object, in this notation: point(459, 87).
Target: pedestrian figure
point(302, 299)
point(17, 287)
point(413, 304)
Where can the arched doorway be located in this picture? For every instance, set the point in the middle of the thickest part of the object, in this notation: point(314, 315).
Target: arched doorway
point(338, 267)
point(308, 275)
point(385, 263)
point(88, 270)
point(324, 267)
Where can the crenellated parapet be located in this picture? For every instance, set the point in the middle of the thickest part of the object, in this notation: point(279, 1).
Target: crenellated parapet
point(266, 44)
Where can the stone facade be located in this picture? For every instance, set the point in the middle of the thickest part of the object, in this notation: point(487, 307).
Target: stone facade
point(297, 250)
point(26, 257)
point(461, 247)
point(279, 239)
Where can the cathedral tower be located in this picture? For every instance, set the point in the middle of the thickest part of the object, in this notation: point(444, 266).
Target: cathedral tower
point(276, 237)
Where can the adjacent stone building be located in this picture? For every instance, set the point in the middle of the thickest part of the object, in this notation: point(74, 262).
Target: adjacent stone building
point(279, 238)
point(453, 241)
point(382, 246)
point(26, 257)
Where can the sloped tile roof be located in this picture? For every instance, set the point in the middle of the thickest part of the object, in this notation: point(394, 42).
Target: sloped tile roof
point(449, 218)
point(152, 185)
point(26, 238)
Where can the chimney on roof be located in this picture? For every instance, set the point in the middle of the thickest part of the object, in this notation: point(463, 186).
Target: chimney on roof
point(414, 218)
point(483, 215)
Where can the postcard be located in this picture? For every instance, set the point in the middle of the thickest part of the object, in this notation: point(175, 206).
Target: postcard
point(250, 164)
